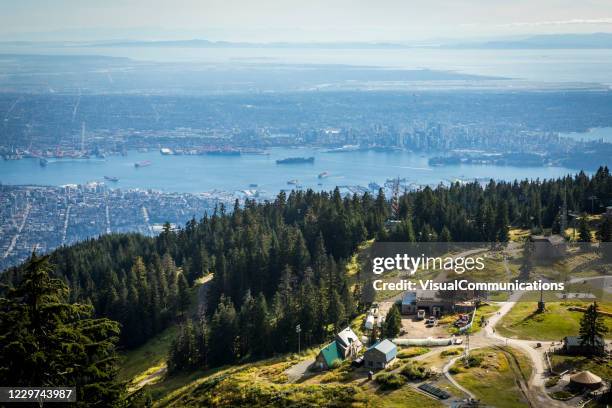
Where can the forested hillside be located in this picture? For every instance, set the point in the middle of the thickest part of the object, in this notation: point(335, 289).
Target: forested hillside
point(279, 263)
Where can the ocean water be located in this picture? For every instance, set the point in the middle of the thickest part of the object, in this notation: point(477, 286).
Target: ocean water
point(196, 174)
point(545, 66)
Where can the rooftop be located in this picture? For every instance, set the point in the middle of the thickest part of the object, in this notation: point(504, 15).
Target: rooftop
point(385, 346)
point(331, 353)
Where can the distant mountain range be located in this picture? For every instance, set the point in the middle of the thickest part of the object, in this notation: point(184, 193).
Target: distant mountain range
point(199, 43)
point(552, 41)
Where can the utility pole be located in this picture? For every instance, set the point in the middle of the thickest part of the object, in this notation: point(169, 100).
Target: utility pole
point(298, 330)
point(563, 220)
point(541, 306)
point(467, 346)
point(592, 198)
point(395, 199)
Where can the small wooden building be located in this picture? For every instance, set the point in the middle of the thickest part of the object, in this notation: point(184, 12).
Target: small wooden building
point(328, 356)
point(380, 355)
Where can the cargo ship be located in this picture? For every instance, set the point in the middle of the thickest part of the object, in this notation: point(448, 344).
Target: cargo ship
point(111, 178)
point(142, 164)
point(296, 160)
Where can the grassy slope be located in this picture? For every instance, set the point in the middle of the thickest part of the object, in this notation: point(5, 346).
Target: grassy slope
point(151, 354)
point(262, 384)
point(494, 382)
point(554, 324)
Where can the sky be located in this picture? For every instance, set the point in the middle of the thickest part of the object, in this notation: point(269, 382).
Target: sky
point(298, 20)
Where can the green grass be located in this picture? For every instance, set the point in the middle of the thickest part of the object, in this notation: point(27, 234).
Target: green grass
point(412, 352)
point(522, 322)
point(485, 311)
point(357, 324)
point(355, 263)
point(519, 234)
point(494, 270)
point(494, 380)
point(151, 354)
point(250, 385)
point(404, 397)
point(600, 366)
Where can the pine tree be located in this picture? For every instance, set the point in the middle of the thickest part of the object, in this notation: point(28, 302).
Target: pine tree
point(201, 343)
point(393, 322)
point(604, 235)
point(184, 295)
point(592, 328)
point(47, 341)
point(336, 312)
point(502, 222)
point(527, 263)
point(223, 334)
point(584, 233)
point(445, 235)
point(604, 232)
point(246, 323)
point(260, 341)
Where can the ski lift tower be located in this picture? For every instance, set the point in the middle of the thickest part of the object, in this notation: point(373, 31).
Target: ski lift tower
point(395, 199)
point(395, 215)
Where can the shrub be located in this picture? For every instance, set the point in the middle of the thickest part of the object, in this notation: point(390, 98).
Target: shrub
point(455, 369)
point(473, 361)
point(336, 363)
point(335, 376)
point(393, 365)
point(562, 395)
point(451, 352)
point(415, 372)
point(390, 381)
point(551, 382)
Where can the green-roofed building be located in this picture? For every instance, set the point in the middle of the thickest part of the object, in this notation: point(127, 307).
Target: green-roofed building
point(328, 355)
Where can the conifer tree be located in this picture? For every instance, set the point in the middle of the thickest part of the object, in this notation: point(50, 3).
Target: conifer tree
point(48, 342)
point(604, 232)
point(184, 295)
point(393, 322)
point(223, 334)
point(584, 233)
point(592, 328)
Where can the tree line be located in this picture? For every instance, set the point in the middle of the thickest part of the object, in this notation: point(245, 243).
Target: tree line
point(282, 262)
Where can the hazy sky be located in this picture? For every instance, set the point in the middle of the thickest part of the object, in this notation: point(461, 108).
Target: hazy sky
point(293, 20)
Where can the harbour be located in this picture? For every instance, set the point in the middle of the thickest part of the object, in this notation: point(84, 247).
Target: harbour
point(353, 170)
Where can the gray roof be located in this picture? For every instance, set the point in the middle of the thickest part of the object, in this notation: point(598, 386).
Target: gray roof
point(387, 347)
